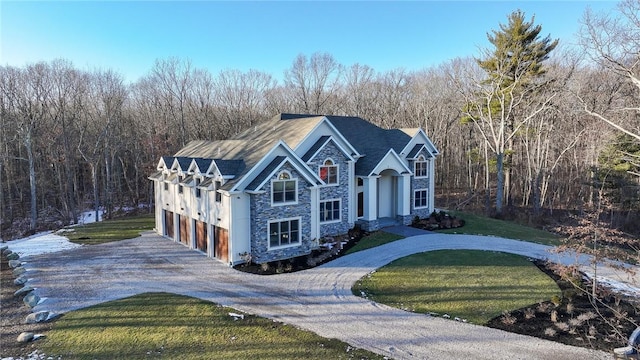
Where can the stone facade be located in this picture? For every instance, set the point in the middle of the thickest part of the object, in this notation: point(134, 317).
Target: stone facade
point(334, 192)
point(262, 212)
point(419, 183)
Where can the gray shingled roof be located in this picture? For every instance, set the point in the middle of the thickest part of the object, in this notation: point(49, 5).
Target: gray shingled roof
point(168, 160)
point(203, 164)
point(414, 152)
point(156, 176)
point(371, 141)
point(229, 167)
point(187, 180)
point(320, 143)
point(184, 162)
point(273, 165)
point(237, 156)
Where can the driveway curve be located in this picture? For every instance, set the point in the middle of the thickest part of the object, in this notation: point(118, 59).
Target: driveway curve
point(318, 299)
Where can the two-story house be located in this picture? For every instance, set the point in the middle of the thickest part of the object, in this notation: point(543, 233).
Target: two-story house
point(273, 191)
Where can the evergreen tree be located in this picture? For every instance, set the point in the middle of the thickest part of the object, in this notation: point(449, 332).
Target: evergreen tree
point(509, 95)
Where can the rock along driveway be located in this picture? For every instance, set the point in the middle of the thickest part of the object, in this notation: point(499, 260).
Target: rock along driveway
point(319, 299)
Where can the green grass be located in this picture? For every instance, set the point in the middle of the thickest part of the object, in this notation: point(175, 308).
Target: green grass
point(110, 230)
point(479, 225)
point(372, 240)
point(160, 325)
point(470, 284)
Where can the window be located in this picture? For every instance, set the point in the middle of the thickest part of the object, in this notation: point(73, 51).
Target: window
point(420, 198)
point(198, 192)
point(218, 184)
point(420, 169)
point(330, 210)
point(180, 187)
point(283, 233)
point(329, 172)
point(166, 186)
point(284, 189)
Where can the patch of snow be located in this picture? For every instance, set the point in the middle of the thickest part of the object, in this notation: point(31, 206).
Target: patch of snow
point(236, 316)
point(616, 286)
point(42, 243)
point(89, 217)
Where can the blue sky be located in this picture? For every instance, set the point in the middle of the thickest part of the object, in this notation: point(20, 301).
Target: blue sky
point(129, 36)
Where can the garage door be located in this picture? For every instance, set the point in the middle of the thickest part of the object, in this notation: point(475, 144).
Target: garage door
point(221, 244)
point(184, 229)
point(168, 224)
point(201, 236)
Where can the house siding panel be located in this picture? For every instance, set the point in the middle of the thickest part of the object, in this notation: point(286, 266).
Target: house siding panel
point(262, 212)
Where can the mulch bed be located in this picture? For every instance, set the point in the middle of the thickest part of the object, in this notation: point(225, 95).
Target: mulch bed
point(602, 326)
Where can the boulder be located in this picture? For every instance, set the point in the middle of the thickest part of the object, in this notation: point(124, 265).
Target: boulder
point(25, 337)
point(3, 247)
point(20, 280)
point(15, 263)
point(31, 300)
point(37, 317)
point(19, 271)
point(13, 256)
point(6, 251)
point(23, 291)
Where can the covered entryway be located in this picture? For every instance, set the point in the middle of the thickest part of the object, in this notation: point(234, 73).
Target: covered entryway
point(168, 224)
point(221, 244)
point(201, 236)
point(387, 194)
point(184, 230)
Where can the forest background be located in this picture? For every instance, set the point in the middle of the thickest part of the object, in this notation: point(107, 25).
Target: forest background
point(75, 139)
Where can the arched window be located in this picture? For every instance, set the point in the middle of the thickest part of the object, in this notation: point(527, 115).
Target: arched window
point(284, 175)
point(329, 172)
point(284, 190)
point(420, 167)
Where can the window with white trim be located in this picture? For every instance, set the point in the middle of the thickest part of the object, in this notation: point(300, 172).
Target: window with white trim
point(180, 186)
point(330, 210)
point(420, 199)
point(420, 167)
point(284, 190)
point(166, 186)
point(217, 186)
point(198, 191)
point(329, 172)
point(284, 232)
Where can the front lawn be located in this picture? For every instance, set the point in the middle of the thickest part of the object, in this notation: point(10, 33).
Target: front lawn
point(480, 225)
point(160, 325)
point(110, 230)
point(374, 239)
point(468, 284)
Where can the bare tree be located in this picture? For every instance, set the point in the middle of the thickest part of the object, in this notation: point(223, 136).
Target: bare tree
point(316, 81)
point(612, 41)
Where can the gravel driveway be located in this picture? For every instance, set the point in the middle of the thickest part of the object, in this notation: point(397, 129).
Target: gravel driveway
point(319, 299)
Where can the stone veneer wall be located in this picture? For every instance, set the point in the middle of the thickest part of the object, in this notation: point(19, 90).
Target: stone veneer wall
point(262, 212)
point(419, 183)
point(340, 191)
point(369, 225)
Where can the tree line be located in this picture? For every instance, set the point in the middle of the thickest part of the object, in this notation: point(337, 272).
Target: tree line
point(526, 123)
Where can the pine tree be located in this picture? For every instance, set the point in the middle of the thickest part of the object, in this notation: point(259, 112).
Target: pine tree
point(509, 94)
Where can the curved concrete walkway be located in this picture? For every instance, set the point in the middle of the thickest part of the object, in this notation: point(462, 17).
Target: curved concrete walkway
point(319, 299)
